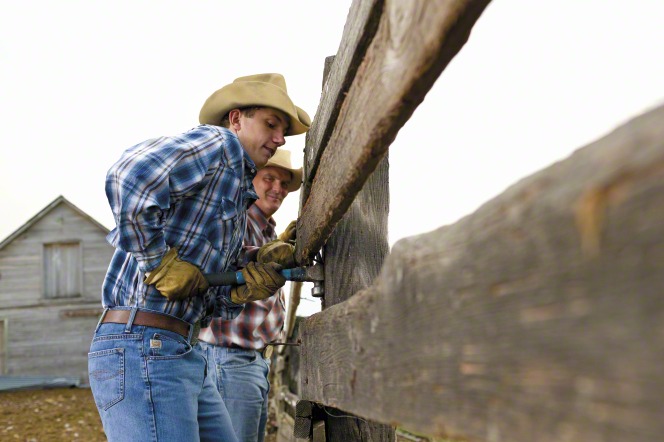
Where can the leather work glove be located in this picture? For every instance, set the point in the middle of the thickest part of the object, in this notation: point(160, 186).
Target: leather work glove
point(261, 281)
point(176, 279)
point(278, 251)
point(290, 233)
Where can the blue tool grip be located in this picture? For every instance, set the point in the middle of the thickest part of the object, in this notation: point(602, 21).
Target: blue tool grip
point(295, 274)
point(237, 278)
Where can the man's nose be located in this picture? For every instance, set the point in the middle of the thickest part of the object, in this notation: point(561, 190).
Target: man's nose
point(279, 139)
point(280, 187)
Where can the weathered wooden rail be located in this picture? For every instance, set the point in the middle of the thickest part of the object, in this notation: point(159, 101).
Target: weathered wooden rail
point(413, 43)
point(537, 318)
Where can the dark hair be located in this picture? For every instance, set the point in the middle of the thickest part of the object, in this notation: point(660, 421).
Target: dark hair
point(246, 111)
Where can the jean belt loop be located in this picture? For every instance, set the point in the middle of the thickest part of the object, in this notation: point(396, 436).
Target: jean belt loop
point(191, 332)
point(101, 318)
point(130, 321)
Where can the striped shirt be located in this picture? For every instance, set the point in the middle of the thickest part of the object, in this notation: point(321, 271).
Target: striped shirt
point(189, 191)
point(261, 321)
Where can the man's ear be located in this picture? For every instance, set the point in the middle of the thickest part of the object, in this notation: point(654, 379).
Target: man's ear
point(234, 119)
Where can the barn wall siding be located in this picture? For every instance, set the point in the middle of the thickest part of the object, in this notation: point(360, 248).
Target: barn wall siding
point(46, 341)
point(51, 336)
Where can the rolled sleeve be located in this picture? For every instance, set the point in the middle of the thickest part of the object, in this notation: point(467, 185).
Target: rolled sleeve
point(147, 182)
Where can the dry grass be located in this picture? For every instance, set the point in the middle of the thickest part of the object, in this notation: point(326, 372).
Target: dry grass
point(59, 414)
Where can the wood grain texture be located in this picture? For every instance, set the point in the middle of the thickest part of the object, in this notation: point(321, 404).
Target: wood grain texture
point(340, 70)
point(48, 340)
point(414, 42)
point(354, 256)
point(307, 174)
point(356, 250)
point(22, 260)
point(51, 336)
point(536, 318)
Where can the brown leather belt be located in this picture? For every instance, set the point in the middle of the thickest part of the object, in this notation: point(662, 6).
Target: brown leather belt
point(149, 320)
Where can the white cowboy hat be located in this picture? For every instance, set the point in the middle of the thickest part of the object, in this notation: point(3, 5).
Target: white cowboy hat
point(281, 159)
point(267, 90)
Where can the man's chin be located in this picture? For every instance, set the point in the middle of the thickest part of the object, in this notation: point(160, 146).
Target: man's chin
point(260, 159)
point(267, 154)
point(275, 207)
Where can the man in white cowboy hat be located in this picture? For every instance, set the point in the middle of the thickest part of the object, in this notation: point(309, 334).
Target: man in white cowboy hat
point(238, 352)
point(180, 204)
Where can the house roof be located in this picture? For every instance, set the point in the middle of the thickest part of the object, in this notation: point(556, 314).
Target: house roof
point(45, 211)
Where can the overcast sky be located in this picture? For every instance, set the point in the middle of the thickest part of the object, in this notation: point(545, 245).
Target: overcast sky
point(80, 81)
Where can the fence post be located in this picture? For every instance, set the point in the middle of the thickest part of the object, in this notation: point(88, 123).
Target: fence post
point(353, 257)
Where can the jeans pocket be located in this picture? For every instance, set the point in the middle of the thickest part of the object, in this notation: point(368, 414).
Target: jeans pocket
point(163, 346)
point(106, 369)
point(239, 359)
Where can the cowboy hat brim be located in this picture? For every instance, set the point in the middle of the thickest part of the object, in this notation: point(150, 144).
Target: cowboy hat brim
point(243, 93)
point(281, 159)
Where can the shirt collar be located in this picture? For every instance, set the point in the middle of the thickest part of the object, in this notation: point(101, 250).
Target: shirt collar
point(266, 225)
point(247, 162)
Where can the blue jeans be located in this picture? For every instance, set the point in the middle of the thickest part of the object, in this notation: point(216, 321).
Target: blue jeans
point(150, 384)
point(242, 379)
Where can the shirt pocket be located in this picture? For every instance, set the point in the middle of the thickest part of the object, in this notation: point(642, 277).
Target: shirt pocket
point(220, 228)
point(228, 210)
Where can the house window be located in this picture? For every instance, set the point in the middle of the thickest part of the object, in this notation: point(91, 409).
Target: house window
point(62, 270)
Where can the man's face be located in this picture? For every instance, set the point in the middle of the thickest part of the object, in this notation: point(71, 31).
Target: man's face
point(260, 134)
point(271, 185)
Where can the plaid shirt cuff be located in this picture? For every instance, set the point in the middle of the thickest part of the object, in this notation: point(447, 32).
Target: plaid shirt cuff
point(225, 308)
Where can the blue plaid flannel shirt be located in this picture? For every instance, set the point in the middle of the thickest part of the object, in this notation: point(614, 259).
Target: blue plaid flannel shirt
point(189, 191)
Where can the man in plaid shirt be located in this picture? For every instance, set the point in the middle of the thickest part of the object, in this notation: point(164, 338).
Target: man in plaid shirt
point(236, 349)
point(180, 204)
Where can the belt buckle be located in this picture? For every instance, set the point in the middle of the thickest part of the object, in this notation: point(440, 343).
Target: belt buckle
point(267, 352)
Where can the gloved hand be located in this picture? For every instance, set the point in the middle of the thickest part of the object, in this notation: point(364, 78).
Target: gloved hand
point(290, 233)
point(261, 281)
point(278, 251)
point(176, 279)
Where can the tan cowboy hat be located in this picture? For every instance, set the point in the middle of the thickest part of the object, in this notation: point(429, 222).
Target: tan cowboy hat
point(254, 90)
point(281, 159)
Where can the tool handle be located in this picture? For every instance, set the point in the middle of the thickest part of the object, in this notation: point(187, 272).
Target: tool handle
point(224, 278)
point(236, 278)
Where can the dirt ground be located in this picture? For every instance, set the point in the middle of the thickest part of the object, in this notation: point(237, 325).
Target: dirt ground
point(59, 414)
point(69, 414)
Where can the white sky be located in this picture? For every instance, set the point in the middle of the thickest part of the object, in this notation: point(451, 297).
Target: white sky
point(80, 81)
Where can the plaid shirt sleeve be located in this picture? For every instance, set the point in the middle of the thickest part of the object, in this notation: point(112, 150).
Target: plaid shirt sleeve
point(148, 179)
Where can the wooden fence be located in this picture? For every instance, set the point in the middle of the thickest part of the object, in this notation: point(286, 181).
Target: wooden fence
point(540, 317)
